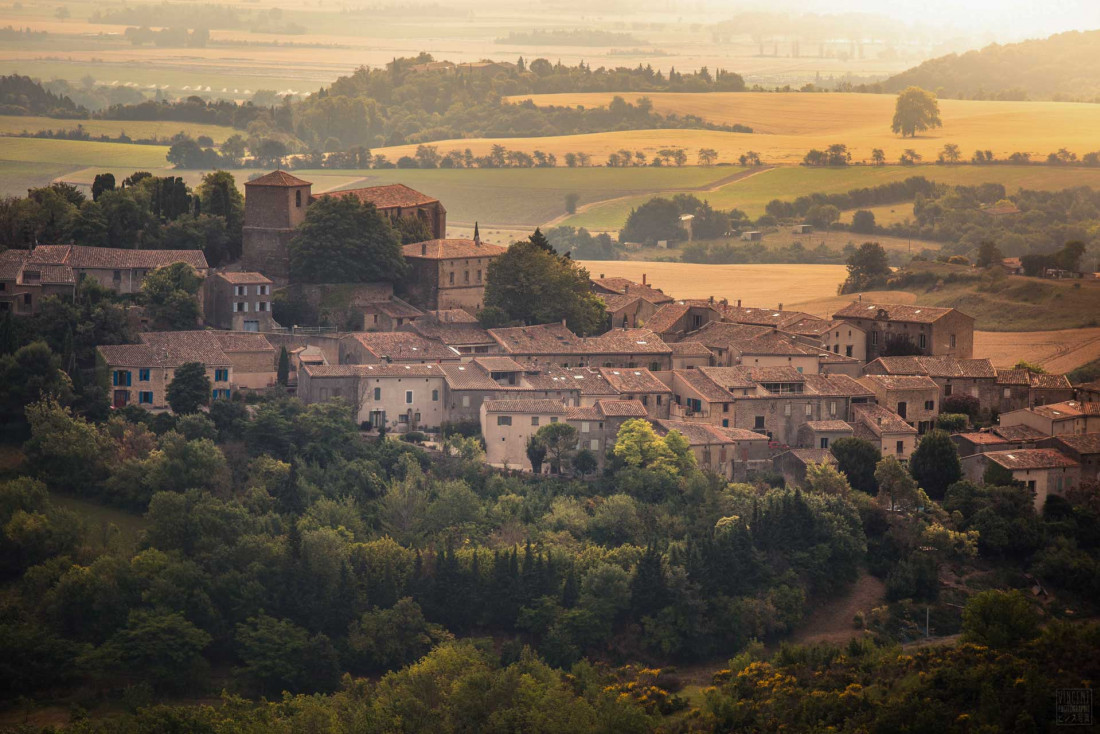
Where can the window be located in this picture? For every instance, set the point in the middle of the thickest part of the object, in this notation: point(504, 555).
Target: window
point(947, 389)
point(261, 306)
point(658, 400)
point(117, 275)
point(465, 401)
point(261, 290)
point(479, 276)
point(220, 394)
point(922, 341)
point(824, 442)
point(240, 290)
point(645, 400)
point(1008, 392)
point(725, 407)
point(953, 341)
point(585, 427)
point(466, 276)
point(377, 393)
point(435, 396)
point(221, 375)
point(26, 299)
point(809, 409)
point(874, 337)
point(298, 198)
point(240, 307)
point(848, 351)
point(929, 404)
point(901, 447)
point(836, 349)
point(408, 397)
point(725, 423)
point(786, 408)
point(758, 421)
point(534, 420)
point(452, 278)
point(504, 420)
point(553, 419)
point(903, 409)
point(832, 407)
point(695, 404)
point(594, 444)
point(143, 375)
point(145, 398)
point(121, 378)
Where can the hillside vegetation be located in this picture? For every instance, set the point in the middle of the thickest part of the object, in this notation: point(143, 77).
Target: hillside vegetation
point(1064, 66)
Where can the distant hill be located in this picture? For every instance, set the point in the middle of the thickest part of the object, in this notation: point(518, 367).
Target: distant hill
point(1065, 66)
point(21, 95)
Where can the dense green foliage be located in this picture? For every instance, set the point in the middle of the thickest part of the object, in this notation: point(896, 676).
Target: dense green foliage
point(343, 240)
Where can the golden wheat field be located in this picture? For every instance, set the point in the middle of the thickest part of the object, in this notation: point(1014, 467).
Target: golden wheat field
point(787, 125)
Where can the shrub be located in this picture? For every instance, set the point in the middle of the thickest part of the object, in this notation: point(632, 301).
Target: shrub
point(414, 437)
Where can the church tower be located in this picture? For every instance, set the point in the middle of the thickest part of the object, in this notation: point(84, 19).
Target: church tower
point(274, 205)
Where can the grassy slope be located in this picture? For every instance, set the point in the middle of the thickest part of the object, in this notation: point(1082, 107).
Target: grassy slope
point(752, 194)
point(98, 519)
point(135, 129)
point(83, 153)
point(18, 176)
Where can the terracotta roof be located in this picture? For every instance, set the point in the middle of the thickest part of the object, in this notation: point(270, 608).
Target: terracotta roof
point(763, 316)
point(450, 316)
point(499, 364)
point(983, 438)
point(584, 413)
point(775, 374)
point(836, 385)
point(1049, 382)
point(1018, 433)
point(80, 257)
point(541, 339)
point(698, 381)
point(723, 334)
point(1031, 459)
point(774, 343)
point(893, 312)
point(49, 274)
point(452, 334)
point(1067, 409)
point(625, 286)
point(705, 434)
point(242, 341)
point(880, 420)
point(829, 426)
point(390, 196)
point(633, 380)
point(900, 382)
point(1082, 443)
point(553, 407)
point(10, 267)
point(277, 178)
point(811, 456)
point(666, 317)
point(938, 367)
point(167, 349)
point(374, 370)
point(1093, 386)
point(470, 376)
point(451, 249)
point(621, 408)
point(587, 380)
point(394, 308)
point(245, 278)
point(403, 346)
point(689, 349)
point(616, 301)
point(627, 341)
point(810, 326)
point(740, 434)
point(1013, 377)
point(729, 377)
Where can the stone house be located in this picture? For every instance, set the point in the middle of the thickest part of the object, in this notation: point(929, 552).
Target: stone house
point(1043, 471)
point(913, 397)
point(773, 318)
point(140, 373)
point(239, 301)
point(449, 274)
point(1058, 419)
point(792, 464)
point(941, 332)
point(842, 338)
point(389, 315)
point(639, 385)
point(456, 329)
point(972, 377)
point(1088, 392)
point(997, 438)
point(627, 287)
point(823, 434)
point(554, 345)
point(689, 355)
point(732, 453)
point(253, 358)
point(1084, 448)
point(724, 339)
point(626, 311)
point(24, 284)
point(598, 425)
point(1026, 389)
point(403, 397)
point(507, 424)
point(398, 347)
point(673, 321)
point(886, 429)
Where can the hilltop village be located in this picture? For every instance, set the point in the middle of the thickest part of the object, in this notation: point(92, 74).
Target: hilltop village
point(752, 389)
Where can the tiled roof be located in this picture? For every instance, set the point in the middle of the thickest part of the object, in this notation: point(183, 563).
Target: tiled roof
point(666, 317)
point(1018, 433)
point(625, 286)
point(470, 376)
point(553, 407)
point(80, 257)
point(900, 382)
point(633, 380)
point(705, 434)
point(50, 274)
point(880, 420)
point(722, 334)
point(277, 178)
point(587, 380)
point(390, 196)
point(1067, 409)
point(1082, 443)
point(1031, 459)
point(403, 346)
point(1049, 382)
point(617, 301)
point(245, 278)
point(374, 370)
point(740, 434)
point(450, 316)
point(541, 339)
point(621, 408)
point(938, 367)
point(627, 341)
point(836, 385)
point(452, 334)
point(812, 456)
point(395, 309)
point(775, 344)
point(242, 341)
point(729, 377)
point(451, 249)
point(689, 349)
point(584, 413)
point(1013, 377)
point(167, 349)
point(500, 364)
point(809, 326)
point(705, 386)
point(828, 426)
point(763, 316)
point(775, 374)
point(893, 312)
point(983, 438)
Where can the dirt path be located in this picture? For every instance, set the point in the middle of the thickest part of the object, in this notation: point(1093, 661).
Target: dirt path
point(711, 188)
point(832, 622)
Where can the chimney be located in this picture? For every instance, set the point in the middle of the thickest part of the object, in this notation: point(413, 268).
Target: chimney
point(477, 236)
point(780, 307)
point(626, 288)
point(739, 303)
point(601, 276)
point(712, 300)
point(423, 248)
point(643, 278)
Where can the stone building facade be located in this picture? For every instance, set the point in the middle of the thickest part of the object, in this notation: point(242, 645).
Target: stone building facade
point(940, 332)
point(449, 274)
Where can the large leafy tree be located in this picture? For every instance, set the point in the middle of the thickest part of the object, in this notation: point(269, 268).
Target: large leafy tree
point(531, 285)
point(171, 297)
point(189, 389)
point(866, 265)
point(657, 219)
point(857, 458)
point(560, 440)
point(345, 241)
point(917, 110)
point(935, 463)
point(219, 197)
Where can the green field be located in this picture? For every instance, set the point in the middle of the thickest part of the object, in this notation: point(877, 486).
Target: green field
point(14, 124)
point(753, 193)
point(81, 153)
point(18, 176)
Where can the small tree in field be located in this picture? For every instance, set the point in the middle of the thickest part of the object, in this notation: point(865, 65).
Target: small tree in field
point(189, 389)
point(916, 111)
point(571, 200)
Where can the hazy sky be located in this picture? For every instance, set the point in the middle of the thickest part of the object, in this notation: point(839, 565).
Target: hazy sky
point(1005, 18)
